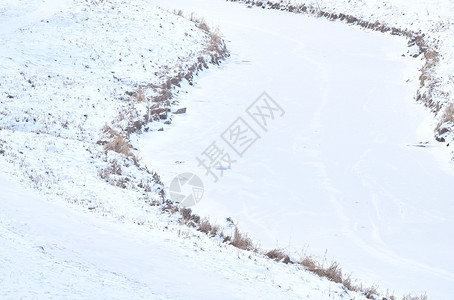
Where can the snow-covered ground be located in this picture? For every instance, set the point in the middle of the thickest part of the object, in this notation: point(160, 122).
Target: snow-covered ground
point(52, 251)
point(351, 168)
point(433, 19)
point(65, 69)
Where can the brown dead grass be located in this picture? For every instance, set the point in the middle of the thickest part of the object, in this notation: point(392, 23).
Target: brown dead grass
point(117, 142)
point(241, 240)
point(278, 255)
point(415, 297)
point(446, 122)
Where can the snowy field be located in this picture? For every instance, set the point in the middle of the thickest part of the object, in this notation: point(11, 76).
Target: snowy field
point(352, 167)
point(347, 170)
point(51, 251)
point(67, 233)
point(60, 85)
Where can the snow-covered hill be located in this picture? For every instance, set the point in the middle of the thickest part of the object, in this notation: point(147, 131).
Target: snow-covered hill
point(50, 250)
point(69, 82)
point(351, 168)
point(74, 76)
point(345, 169)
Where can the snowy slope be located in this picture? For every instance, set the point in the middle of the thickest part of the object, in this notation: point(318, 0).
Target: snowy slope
point(55, 251)
point(351, 168)
point(68, 68)
point(65, 69)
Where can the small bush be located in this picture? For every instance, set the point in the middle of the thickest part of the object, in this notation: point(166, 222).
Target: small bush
point(178, 12)
point(119, 145)
point(334, 272)
point(278, 255)
point(241, 240)
point(415, 297)
point(205, 226)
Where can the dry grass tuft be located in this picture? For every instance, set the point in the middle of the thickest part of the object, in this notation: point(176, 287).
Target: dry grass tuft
point(241, 240)
point(446, 122)
point(333, 272)
point(188, 217)
point(278, 255)
point(310, 263)
point(178, 12)
point(140, 96)
point(205, 226)
point(415, 297)
point(119, 145)
point(117, 142)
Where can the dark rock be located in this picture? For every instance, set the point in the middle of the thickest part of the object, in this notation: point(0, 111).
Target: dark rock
point(180, 111)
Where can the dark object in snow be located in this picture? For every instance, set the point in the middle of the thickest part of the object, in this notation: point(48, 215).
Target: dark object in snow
point(230, 222)
point(180, 111)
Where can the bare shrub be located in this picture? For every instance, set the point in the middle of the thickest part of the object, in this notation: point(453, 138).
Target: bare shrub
point(215, 230)
point(310, 263)
point(278, 255)
point(200, 22)
point(415, 297)
point(117, 142)
point(446, 122)
point(119, 145)
point(188, 217)
point(370, 292)
point(186, 213)
point(205, 226)
point(178, 12)
point(241, 240)
point(140, 96)
point(333, 272)
point(448, 114)
point(203, 25)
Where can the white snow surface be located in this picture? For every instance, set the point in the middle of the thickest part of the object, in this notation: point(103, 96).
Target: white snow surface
point(65, 67)
point(351, 168)
point(52, 251)
point(433, 18)
point(338, 172)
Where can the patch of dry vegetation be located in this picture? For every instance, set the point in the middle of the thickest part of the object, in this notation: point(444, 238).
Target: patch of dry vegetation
point(446, 123)
point(415, 297)
point(278, 255)
point(242, 240)
point(158, 109)
point(117, 142)
point(332, 272)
